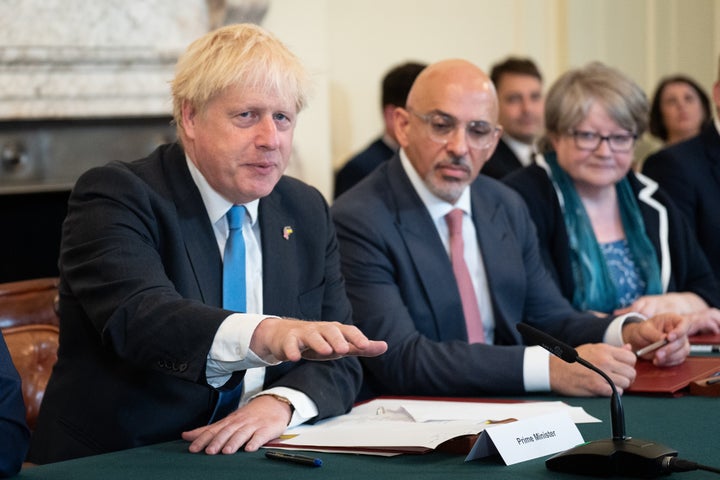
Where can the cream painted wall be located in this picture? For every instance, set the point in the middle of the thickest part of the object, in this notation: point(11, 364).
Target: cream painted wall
point(349, 44)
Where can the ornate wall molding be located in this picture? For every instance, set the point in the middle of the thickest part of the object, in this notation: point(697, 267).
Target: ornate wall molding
point(84, 58)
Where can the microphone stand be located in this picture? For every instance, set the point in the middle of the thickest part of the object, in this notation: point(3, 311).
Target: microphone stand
point(617, 414)
point(619, 455)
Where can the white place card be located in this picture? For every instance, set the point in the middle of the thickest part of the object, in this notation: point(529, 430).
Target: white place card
point(527, 438)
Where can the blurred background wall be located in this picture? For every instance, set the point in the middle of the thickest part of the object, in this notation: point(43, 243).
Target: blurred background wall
point(347, 44)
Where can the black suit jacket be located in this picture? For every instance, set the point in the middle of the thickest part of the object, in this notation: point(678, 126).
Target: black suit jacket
point(683, 266)
point(140, 297)
point(690, 173)
point(502, 162)
point(14, 433)
point(402, 289)
point(359, 166)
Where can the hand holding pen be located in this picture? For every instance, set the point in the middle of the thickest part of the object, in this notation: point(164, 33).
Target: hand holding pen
point(651, 348)
point(668, 326)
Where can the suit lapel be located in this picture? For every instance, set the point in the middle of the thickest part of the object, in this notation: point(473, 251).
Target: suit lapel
point(280, 289)
point(197, 232)
point(711, 139)
point(495, 245)
point(508, 154)
point(427, 252)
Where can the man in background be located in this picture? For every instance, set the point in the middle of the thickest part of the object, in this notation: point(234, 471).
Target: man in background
point(690, 172)
point(518, 83)
point(395, 87)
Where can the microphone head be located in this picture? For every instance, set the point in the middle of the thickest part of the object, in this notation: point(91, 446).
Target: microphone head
point(551, 344)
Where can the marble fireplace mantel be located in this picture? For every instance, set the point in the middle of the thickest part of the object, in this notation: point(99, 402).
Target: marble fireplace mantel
point(114, 58)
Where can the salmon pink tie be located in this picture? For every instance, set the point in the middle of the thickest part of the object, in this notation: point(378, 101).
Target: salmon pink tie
point(471, 310)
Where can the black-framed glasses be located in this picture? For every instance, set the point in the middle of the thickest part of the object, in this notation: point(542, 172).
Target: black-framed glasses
point(479, 133)
point(618, 142)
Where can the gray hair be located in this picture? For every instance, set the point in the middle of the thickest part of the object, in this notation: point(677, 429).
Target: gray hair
point(572, 95)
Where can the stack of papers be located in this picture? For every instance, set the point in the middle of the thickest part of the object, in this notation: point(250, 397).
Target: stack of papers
point(390, 426)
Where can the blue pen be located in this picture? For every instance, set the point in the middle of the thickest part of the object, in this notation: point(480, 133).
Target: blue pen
point(294, 458)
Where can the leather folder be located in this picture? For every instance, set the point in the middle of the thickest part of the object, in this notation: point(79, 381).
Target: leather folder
point(672, 380)
point(705, 339)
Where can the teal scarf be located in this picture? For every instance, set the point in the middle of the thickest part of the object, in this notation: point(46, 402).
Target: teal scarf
point(594, 288)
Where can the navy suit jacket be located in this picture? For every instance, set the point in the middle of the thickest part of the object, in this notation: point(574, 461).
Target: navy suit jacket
point(402, 289)
point(682, 263)
point(140, 296)
point(690, 173)
point(502, 162)
point(14, 433)
point(359, 166)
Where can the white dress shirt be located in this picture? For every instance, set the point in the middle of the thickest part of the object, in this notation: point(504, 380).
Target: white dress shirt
point(230, 350)
point(523, 151)
point(536, 360)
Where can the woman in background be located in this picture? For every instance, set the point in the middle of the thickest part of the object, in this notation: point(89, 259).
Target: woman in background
point(612, 240)
point(679, 110)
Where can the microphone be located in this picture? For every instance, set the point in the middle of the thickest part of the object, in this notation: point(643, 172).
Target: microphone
point(620, 455)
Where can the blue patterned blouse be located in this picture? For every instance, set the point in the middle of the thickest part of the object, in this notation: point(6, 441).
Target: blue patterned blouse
point(623, 271)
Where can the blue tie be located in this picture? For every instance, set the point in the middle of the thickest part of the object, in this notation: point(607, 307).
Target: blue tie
point(234, 298)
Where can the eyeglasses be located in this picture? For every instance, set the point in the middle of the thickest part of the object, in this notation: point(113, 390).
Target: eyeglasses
point(618, 142)
point(479, 134)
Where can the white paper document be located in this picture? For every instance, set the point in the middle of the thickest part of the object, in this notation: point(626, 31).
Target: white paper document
point(423, 411)
point(406, 425)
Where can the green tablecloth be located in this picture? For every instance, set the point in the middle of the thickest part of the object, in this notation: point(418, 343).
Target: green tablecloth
point(688, 424)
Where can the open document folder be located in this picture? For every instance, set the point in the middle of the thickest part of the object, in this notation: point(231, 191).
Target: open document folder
point(387, 426)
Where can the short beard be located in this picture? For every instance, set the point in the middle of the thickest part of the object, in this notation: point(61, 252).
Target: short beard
point(448, 190)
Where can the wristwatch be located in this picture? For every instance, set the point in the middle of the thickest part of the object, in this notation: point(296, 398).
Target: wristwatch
point(281, 399)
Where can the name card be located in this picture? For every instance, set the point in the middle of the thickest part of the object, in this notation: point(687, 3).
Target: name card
point(527, 438)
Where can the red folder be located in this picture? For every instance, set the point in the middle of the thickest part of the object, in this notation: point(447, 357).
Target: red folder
point(672, 380)
point(705, 339)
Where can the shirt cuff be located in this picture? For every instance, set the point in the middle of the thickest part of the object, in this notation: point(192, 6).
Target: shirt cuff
point(230, 351)
point(613, 334)
point(305, 408)
point(536, 369)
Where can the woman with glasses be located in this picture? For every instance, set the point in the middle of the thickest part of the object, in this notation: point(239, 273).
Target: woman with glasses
point(612, 240)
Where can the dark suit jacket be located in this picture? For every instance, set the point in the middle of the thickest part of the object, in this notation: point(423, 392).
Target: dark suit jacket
point(140, 297)
point(690, 173)
point(502, 162)
point(359, 166)
point(14, 433)
point(401, 285)
point(683, 265)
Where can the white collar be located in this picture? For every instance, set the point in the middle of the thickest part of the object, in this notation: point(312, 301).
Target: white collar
point(436, 206)
point(215, 204)
point(523, 151)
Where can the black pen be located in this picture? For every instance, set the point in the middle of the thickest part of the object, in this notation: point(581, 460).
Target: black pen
point(294, 458)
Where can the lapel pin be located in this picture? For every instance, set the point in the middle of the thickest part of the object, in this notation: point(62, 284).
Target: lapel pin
point(287, 231)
